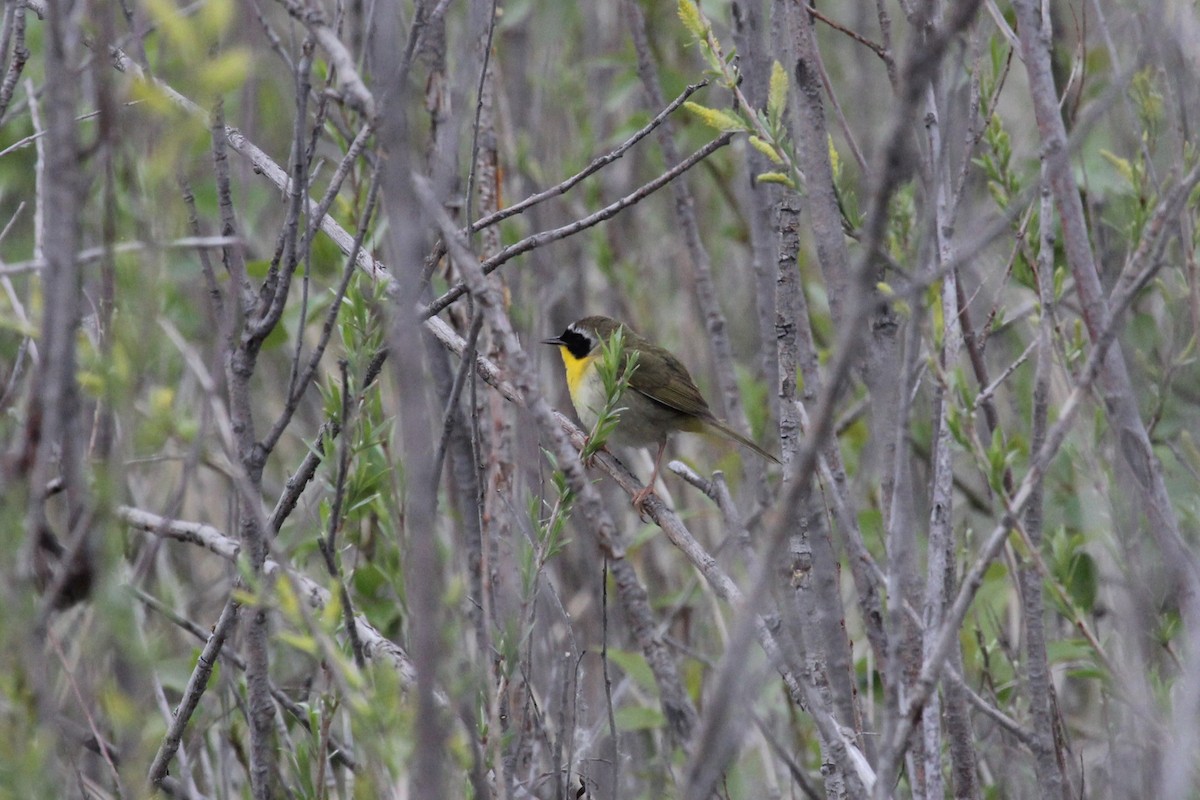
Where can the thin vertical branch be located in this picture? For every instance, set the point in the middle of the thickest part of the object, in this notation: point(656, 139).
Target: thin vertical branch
point(493, 420)
point(240, 367)
point(798, 50)
point(279, 277)
point(404, 247)
point(615, 766)
point(1047, 765)
point(827, 647)
point(294, 250)
point(12, 33)
point(903, 638)
point(750, 40)
point(826, 640)
point(806, 654)
point(791, 319)
point(941, 548)
point(328, 544)
point(54, 440)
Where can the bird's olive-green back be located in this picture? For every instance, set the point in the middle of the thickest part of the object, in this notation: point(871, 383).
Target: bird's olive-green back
point(659, 375)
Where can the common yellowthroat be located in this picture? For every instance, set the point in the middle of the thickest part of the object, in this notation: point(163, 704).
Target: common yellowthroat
point(662, 397)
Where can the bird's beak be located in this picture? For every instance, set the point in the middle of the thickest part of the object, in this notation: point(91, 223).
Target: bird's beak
point(557, 340)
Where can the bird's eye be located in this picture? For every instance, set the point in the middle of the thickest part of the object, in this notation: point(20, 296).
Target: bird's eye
point(579, 344)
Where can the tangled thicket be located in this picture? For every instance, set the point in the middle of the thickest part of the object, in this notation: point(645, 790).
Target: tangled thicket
point(291, 510)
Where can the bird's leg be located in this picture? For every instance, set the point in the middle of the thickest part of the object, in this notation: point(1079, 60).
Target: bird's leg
point(640, 496)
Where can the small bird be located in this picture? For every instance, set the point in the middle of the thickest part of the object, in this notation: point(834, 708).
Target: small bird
point(662, 397)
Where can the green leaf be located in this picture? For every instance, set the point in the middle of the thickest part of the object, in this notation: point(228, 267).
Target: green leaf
point(777, 92)
point(1122, 165)
point(258, 268)
point(368, 580)
point(954, 424)
point(1067, 650)
point(721, 120)
point(1082, 580)
point(997, 460)
point(639, 718)
point(19, 327)
point(171, 22)
point(835, 160)
point(634, 665)
point(693, 20)
point(766, 149)
point(775, 177)
point(305, 644)
point(227, 71)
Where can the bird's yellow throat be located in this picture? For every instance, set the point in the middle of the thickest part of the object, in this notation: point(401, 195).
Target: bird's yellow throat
point(576, 369)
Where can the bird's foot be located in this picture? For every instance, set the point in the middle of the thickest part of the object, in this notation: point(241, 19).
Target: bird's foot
point(639, 499)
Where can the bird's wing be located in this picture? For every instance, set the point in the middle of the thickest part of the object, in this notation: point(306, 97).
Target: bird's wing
point(677, 391)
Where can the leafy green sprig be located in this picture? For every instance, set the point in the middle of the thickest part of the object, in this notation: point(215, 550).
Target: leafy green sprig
point(616, 367)
point(766, 127)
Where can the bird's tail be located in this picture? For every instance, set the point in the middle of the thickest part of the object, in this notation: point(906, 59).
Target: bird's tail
point(730, 433)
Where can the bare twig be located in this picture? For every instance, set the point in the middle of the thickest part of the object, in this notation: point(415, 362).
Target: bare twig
point(12, 31)
point(940, 576)
point(376, 647)
point(305, 378)
point(1048, 762)
point(242, 353)
point(105, 750)
point(328, 545)
point(33, 137)
point(361, 99)
point(876, 48)
point(289, 253)
point(197, 683)
point(598, 163)
point(609, 211)
point(91, 255)
point(450, 412)
point(349, 158)
point(338, 750)
point(608, 697)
